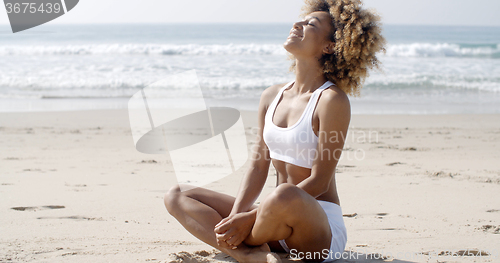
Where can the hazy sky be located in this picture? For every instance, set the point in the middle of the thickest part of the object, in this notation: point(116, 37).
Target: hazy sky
point(418, 12)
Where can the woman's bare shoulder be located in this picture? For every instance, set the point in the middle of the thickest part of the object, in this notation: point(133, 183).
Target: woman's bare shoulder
point(270, 93)
point(334, 95)
point(334, 102)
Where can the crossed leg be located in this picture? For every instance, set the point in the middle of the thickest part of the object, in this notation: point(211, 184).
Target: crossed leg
point(287, 213)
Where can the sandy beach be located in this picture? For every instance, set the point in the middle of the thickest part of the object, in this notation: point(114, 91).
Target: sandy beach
point(74, 189)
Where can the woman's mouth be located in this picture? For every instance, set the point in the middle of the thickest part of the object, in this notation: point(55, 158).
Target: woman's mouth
point(293, 34)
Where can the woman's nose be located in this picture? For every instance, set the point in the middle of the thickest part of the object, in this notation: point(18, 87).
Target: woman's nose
point(297, 25)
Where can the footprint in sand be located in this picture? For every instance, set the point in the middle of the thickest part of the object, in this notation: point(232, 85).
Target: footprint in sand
point(442, 174)
point(490, 228)
point(350, 215)
point(76, 185)
point(35, 208)
point(381, 215)
point(395, 163)
point(409, 149)
point(73, 217)
point(148, 161)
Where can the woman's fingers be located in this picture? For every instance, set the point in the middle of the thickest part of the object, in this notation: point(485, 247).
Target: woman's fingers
point(226, 235)
point(226, 244)
point(229, 239)
point(231, 231)
point(220, 237)
point(222, 242)
point(223, 227)
point(222, 222)
point(240, 240)
point(233, 241)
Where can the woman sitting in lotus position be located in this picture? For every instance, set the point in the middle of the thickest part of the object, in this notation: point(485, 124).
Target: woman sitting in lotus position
point(302, 126)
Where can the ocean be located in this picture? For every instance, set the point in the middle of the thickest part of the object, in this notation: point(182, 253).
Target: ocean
point(426, 69)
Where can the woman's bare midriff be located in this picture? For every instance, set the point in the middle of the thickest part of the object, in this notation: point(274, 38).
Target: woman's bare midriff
point(292, 174)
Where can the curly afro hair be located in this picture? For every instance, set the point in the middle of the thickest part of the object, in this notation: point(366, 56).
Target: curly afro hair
point(357, 36)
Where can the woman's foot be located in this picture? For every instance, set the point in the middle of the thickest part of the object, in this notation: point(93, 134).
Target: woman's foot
point(260, 254)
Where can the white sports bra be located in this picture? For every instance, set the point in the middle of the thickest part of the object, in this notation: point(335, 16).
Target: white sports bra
point(296, 144)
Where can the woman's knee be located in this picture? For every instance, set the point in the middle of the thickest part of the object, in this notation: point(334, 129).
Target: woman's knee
point(286, 196)
point(177, 192)
point(171, 199)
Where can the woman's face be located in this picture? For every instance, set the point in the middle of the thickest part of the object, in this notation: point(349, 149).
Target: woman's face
point(310, 37)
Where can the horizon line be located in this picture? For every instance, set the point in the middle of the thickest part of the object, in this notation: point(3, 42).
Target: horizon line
point(238, 23)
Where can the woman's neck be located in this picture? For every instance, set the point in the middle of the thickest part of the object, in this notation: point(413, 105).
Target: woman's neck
point(308, 76)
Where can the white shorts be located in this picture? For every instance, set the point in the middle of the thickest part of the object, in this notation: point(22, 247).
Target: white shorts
point(337, 227)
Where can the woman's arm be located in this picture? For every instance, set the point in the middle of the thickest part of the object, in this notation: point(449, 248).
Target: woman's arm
point(334, 113)
point(255, 178)
point(232, 230)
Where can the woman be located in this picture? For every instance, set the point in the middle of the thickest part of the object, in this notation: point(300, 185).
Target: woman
point(302, 126)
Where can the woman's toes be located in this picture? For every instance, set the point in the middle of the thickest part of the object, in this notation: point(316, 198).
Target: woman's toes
point(273, 258)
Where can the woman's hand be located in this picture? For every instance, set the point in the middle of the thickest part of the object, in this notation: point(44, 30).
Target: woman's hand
point(232, 230)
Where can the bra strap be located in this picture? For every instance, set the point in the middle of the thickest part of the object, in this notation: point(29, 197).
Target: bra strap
point(315, 98)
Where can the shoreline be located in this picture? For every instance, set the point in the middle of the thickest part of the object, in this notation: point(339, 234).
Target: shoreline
point(82, 192)
point(359, 106)
point(120, 118)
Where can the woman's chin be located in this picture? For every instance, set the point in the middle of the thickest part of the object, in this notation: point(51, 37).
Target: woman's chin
point(289, 46)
